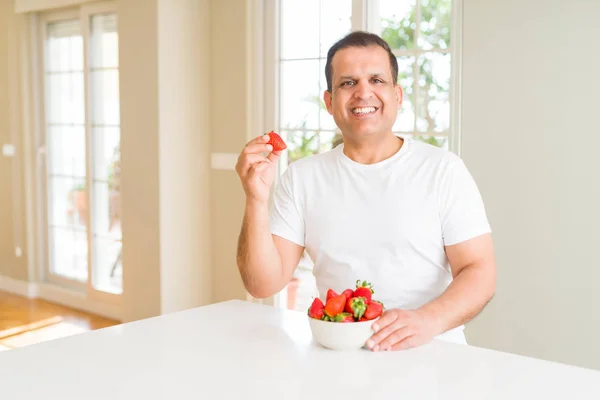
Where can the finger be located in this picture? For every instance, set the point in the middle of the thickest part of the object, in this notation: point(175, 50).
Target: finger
point(259, 140)
point(384, 329)
point(257, 148)
point(395, 337)
point(246, 162)
point(386, 318)
point(407, 343)
point(389, 326)
point(258, 168)
point(274, 156)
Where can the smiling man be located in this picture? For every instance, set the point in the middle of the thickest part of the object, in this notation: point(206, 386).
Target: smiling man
point(401, 214)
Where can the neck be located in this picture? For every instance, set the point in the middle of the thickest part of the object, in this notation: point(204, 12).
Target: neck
point(373, 150)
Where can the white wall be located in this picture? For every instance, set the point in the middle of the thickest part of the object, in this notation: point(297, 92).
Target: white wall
point(184, 80)
point(165, 108)
point(531, 137)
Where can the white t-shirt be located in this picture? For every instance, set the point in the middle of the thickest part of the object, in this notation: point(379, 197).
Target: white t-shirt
point(386, 223)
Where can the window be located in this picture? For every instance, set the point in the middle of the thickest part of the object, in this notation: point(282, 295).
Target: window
point(81, 138)
point(308, 29)
point(419, 33)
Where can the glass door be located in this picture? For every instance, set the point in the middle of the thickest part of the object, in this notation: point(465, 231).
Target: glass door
point(80, 173)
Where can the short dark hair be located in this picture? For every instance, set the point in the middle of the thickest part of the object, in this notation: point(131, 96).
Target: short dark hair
point(359, 39)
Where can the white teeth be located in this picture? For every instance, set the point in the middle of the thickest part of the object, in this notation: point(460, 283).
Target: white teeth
point(363, 110)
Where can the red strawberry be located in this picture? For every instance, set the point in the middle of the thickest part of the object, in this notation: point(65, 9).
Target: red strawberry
point(344, 317)
point(276, 141)
point(349, 293)
point(374, 310)
point(335, 305)
point(356, 306)
point(330, 293)
point(317, 309)
point(365, 290)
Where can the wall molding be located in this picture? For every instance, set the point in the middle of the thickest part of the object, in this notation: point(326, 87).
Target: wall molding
point(19, 287)
point(27, 6)
point(59, 295)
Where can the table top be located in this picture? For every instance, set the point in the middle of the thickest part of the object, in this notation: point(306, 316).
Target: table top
point(238, 349)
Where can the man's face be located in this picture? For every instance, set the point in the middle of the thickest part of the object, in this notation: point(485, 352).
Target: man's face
point(363, 98)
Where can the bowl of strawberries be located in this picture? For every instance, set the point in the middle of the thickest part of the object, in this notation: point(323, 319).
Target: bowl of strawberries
point(344, 321)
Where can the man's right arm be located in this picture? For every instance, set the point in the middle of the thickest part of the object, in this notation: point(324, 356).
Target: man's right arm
point(266, 262)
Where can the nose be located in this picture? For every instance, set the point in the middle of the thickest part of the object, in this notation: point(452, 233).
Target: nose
point(362, 90)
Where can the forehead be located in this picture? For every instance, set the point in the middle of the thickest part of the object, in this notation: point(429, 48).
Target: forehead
point(356, 61)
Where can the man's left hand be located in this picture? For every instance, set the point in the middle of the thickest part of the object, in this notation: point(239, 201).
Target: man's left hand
point(402, 329)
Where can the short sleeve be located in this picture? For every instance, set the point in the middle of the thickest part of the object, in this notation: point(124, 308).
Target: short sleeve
point(462, 212)
point(286, 219)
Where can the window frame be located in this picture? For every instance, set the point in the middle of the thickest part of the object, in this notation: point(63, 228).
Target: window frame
point(76, 294)
point(365, 16)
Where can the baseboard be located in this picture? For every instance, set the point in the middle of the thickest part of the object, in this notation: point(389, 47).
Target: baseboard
point(19, 287)
point(77, 300)
point(56, 294)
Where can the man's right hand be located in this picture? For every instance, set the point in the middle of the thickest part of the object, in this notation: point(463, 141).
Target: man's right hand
point(257, 171)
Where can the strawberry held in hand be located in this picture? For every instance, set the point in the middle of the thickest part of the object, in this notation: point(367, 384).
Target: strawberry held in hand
point(276, 141)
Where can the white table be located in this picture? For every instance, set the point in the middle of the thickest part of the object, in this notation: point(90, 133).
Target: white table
point(239, 350)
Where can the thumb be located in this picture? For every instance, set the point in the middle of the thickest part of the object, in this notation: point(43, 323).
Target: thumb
point(274, 156)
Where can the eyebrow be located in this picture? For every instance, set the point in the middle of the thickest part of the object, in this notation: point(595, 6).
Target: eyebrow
point(375, 75)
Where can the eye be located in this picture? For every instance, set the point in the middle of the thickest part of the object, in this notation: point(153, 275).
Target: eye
point(347, 83)
point(377, 80)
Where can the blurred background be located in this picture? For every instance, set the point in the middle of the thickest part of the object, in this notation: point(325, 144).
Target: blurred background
point(121, 122)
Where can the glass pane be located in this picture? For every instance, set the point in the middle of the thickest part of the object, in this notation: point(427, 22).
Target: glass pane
point(68, 253)
point(438, 141)
point(65, 95)
point(300, 97)
point(306, 143)
point(107, 154)
point(434, 30)
point(105, 97)
point(107, 211)
point(301, 144)
point(335, 22)
point(326, 120)
point(433, 114)
point(108, 270)
point(406, 115)
point(68, 203)
point(398, 23)
point(104, 42)
point(64, 51)
point(299, 29)
point(329, 140)
point(66, 150)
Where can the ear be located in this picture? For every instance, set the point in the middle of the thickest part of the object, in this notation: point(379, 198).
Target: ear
point(327, 97)
point(399, 95)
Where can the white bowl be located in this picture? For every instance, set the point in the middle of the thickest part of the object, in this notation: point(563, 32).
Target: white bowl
point(341, 335)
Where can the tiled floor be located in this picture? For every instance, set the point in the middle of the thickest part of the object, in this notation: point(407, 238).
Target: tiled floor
point(27, 321)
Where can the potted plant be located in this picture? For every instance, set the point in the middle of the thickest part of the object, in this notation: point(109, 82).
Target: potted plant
point(114, 187)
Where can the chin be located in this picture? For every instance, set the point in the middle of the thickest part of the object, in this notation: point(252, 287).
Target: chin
point(366, 131)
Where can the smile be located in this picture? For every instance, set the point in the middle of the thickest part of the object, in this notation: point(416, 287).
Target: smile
point(363, 110)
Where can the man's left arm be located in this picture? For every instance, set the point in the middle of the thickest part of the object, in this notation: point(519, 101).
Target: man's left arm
point(474, 271)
